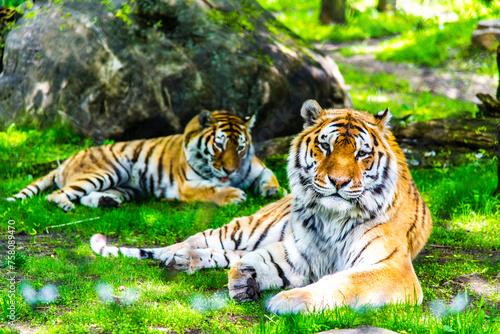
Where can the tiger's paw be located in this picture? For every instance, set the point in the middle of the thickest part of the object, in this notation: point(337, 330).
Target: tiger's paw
point(100, 199)
point(231, 195)
point(187, 260)
point(61, 201)
point(293, 301)
point(269, 189)
point(242, 284)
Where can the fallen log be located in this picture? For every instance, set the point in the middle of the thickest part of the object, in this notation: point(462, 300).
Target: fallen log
point(457, 134)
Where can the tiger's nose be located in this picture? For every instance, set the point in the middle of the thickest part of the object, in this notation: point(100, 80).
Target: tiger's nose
point(338, 183)
point(229, 171)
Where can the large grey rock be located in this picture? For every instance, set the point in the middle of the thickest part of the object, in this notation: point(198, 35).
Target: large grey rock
point(125, 70)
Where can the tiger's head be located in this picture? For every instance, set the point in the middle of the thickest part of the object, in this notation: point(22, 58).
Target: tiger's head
point(344, 161)
point(218, 144)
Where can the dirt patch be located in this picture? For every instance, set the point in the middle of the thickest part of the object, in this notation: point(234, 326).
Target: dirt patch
point(478, 284)
point(239, 318)
point(169, 330)
point(25, 328)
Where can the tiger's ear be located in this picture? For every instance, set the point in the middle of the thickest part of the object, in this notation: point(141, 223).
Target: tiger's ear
point(383, 119)
point(310, 112)
point(250, 122)
point(205, 118)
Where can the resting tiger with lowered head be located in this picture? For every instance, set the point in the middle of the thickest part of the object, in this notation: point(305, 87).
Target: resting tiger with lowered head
point(346, 234)
point(213, 160)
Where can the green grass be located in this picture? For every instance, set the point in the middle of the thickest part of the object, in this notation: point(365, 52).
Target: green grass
point(465, 241)
point(423, 41)
point(439, 44)
point(377, 91)
point(465, 210)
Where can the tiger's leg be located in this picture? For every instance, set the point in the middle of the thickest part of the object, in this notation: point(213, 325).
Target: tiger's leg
point(262, 179)
point(203, 191)
point(63, 198)
point(225, 246)
point(274, 266)
point(191, 260)
point(214, 247)
point(378, 284)
point(177, 256)
point(81, 186)
point(113, 197)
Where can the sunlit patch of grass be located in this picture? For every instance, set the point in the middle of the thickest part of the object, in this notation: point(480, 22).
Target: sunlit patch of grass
point(431, 46)
point(440, 44)
point(462, 203)
point(22, 147)
point(302, 18)
point(377, 91)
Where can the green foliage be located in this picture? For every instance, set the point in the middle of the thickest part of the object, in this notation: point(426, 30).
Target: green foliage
point(11, 3)
point(240, 20)
point(124, 12)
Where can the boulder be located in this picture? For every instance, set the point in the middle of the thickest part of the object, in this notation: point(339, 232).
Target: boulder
point(139, 69)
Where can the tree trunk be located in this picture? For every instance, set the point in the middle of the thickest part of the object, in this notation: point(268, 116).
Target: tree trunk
point(497, 191)
point(490, 107)
point(385, 5)
point(332, 11)
point(498, 66)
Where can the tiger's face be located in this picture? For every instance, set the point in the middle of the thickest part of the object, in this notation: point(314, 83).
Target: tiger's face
point(342, 160)
point(221, 145)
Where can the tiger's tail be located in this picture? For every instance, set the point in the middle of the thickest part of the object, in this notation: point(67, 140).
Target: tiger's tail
point(36, 187)
point(99, 246)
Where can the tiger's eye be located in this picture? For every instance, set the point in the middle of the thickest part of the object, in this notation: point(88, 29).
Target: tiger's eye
point(241, 148)
point(325, 146)
point(361, 154)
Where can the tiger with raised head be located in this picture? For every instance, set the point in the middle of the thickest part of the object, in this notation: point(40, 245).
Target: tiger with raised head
point(346, 234)
point(213, 160)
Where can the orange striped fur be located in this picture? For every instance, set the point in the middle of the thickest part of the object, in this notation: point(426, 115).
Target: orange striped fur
point(212, 161)
point(346, 234)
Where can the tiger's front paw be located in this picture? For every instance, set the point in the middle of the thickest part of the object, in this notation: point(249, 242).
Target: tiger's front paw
point(187, 260)
point(269, 189)
point(297, 300)
point(242, 284)
point(101, 199)
point(61, 200)
point(231, 195)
